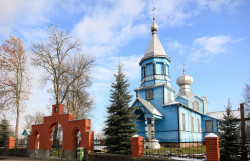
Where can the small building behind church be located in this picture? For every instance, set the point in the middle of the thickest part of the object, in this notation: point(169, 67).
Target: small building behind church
point(163, 113)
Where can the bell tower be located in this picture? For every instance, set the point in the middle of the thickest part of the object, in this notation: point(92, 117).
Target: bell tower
point(155, 72)
point(155, 63)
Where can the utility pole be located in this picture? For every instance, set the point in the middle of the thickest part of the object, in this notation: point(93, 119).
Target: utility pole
point(243, 132)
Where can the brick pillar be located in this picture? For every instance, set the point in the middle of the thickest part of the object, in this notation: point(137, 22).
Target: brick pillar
point(87, 140)
point(11, 143)
point(212, 147)
point(136, 146)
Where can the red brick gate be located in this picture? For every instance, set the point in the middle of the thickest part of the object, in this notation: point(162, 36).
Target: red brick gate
point(41, 133)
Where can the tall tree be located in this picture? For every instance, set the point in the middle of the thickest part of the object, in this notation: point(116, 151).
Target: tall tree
point(4, 132)
point(78, 100)
point(53, 56)
point(14, 79)
point(229, 134)
point(120, 122)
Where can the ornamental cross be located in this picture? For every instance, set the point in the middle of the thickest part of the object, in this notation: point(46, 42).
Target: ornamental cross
point(153, 11)
point(183, 67)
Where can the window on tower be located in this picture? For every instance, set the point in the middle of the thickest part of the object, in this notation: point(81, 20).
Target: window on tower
point(149, 95)
point(144, 71)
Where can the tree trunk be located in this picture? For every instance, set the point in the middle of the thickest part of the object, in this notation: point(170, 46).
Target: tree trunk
point(17, 119)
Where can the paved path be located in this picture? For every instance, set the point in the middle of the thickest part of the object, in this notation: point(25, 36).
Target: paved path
point(11, 158)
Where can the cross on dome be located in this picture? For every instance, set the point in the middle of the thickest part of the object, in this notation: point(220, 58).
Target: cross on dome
point(183, 68)
point(154, 26)
point(153, 12)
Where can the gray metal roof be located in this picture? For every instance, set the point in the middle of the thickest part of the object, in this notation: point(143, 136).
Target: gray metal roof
point(155, 48)
point(148, 106)
point(154, 86)
point(219, 114)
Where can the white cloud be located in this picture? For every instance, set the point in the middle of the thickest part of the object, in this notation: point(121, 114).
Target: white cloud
point(108, 28)
point(175, 46)
point(217, 5)
point(205, 48)
point(176, 12)
point(19, 13)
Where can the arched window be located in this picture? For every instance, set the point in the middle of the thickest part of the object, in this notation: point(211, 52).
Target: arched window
point(196, 106)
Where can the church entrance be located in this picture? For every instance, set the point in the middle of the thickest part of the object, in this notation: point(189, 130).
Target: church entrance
point(56, 141)
point(150, 129)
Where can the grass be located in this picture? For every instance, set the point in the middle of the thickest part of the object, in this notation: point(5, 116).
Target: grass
point(187, 150)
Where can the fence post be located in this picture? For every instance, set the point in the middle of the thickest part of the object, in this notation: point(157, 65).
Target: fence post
point(212, 147)
point(136, 146)
point(11, 143)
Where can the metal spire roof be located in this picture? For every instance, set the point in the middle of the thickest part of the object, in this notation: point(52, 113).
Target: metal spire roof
point(155, 48)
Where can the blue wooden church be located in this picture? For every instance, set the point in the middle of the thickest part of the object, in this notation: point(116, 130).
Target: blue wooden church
point(164, 114)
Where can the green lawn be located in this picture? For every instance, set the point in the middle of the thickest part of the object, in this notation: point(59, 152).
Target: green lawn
point(187, 150)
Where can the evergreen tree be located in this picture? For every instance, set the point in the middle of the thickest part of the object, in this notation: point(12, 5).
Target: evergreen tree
point(120, 122)
point(229, 134)
point(4, 132)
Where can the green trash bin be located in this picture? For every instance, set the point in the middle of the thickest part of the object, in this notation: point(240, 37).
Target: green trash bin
point(80, 153)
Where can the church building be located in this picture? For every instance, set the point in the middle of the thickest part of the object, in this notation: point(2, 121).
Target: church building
point(164, 114)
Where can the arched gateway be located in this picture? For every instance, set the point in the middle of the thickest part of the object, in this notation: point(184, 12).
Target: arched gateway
point(40, 139)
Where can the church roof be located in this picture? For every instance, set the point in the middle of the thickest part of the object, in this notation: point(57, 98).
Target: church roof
point(148, 106)
point(155, 48)
point(219, 114)
point(154, 86)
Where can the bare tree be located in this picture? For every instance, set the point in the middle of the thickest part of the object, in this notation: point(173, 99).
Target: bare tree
point(247, 94)
point(52, 55)
point(30, 120)
point(14, 79)
point(78, 100)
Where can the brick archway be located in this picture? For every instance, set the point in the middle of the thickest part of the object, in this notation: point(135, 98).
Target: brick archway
point(71, 127)
point(75, 132)
point(37, 137)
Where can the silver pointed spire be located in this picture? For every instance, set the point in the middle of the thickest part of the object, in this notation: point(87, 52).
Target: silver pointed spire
point(154, 26)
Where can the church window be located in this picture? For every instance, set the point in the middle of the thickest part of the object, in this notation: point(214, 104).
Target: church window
point(209, 126)
point(164, 68)
point(144, 71)
point(192, 123)
point(196, 106)
point(154, 70)
point(199, 125)
point(149, 94)
point(183, 122)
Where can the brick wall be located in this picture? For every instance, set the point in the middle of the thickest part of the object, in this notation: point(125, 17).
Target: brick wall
point(136, 146)
point(212, 147)
point(11, 143)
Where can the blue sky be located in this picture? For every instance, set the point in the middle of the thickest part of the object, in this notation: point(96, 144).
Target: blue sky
point(212, 37)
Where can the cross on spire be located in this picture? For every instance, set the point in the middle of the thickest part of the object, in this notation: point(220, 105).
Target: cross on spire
point(153, 12)
point(183, 68)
